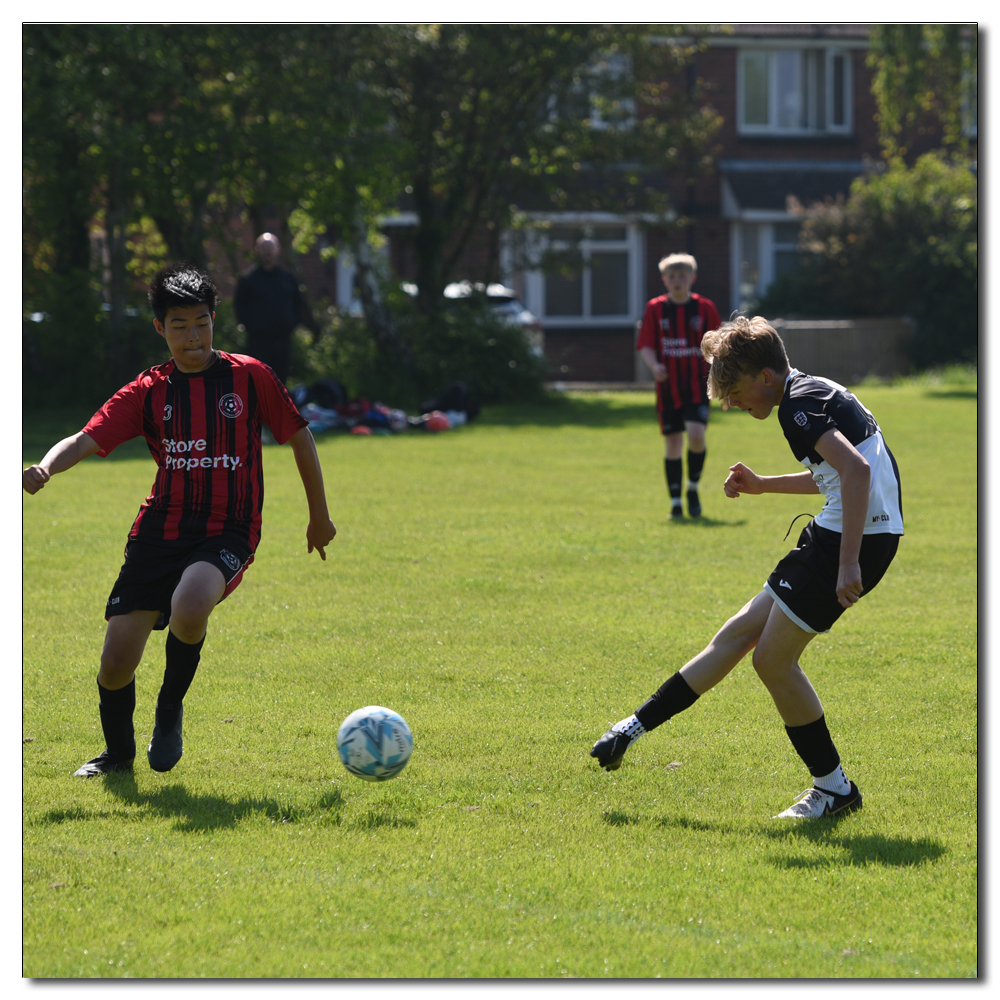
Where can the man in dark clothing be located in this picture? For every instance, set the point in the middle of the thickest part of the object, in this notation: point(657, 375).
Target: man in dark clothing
point(268, 304)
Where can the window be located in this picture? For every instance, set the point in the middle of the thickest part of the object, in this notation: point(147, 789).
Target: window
point(600, 94)
point(762, 252)
point(584, 270)
point(786, 247)
point(600, 287)
point(794, 91)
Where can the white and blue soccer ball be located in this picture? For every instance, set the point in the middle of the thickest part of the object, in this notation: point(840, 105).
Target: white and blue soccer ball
point(374, 743)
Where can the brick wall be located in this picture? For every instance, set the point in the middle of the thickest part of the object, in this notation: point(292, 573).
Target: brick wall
point(587, 355)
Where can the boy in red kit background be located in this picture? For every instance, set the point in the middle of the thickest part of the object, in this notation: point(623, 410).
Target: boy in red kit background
point(670, 344)
point(201, 414)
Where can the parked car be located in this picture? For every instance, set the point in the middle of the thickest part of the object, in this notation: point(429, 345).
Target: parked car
point(504, 303)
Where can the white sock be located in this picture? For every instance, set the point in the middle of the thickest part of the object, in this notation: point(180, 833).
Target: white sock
point(693, 485)
point(835, 781)
point(630, 727)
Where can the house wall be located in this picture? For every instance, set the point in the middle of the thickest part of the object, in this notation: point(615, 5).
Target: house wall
point(590, 355)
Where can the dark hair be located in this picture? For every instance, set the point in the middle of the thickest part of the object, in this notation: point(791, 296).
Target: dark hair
point(738, 348)
point(181, 285)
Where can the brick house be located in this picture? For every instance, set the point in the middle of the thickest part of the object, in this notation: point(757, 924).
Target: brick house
point(798, 126)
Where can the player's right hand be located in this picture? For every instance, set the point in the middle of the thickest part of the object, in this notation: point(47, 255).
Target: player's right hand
point(742, 480)
point(660, 373)
point(34, 478)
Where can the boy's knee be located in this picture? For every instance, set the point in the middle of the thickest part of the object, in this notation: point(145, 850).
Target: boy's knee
point(189, 620)
point(117, 669)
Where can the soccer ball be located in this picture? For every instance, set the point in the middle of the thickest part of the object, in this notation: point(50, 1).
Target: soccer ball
point(374, 743)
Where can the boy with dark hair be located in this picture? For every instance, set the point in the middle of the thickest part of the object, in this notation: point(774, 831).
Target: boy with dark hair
point(201, 414)
point(670, 344)
point(841, 555)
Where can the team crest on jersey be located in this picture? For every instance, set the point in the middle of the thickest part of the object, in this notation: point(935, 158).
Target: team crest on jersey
point(168, 412)
point(801, 419)
point(696, 323)
point(230, 559)
point(231, 405)
point(665, 325)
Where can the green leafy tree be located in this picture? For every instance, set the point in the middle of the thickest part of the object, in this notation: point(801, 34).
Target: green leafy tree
point(162, 137)
point(925, 77)
point(483, 116)
point(905, 242)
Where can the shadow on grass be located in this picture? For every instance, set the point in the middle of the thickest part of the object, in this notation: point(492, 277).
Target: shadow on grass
point(704, 522)
point(854, 849)
point(375, 818)
point(699, 826)
point(846, 849)
point(589, 410)
point(615, 817)
point(953, 393)
point(595, 410)
point(200, 813)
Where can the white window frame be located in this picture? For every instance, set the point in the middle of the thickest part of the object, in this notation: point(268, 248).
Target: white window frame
point(767, 247)
point(771, 127)
point(533, 281)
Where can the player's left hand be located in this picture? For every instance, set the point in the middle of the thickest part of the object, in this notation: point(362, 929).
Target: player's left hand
point(319, 534)
point(849, 588)
point(742, 479)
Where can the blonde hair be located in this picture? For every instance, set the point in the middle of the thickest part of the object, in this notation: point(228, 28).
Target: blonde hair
point(741, 347)
point(678, 260)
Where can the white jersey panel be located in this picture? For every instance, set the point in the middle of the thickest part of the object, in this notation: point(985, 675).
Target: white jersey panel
point(884, 514)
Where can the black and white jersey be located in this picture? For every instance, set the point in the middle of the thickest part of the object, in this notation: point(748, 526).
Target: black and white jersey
point(812, 406)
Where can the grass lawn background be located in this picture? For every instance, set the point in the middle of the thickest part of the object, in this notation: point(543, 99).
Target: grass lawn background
point(510, 588)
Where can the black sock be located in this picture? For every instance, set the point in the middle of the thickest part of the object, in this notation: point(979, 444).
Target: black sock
point(696, 462)
point(117, 709)
point(674, 469)
point(182, 662)
point(674, 696)
point(814, 745)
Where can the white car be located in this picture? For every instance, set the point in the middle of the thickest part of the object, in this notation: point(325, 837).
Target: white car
point(504, 302)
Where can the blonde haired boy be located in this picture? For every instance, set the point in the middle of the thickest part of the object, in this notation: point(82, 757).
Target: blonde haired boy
point(841, 555)
point(670, 343)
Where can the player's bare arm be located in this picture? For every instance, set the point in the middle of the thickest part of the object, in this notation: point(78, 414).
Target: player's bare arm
point(320, 531)
point(59, 458)
point(742, 479)
point(855, 483)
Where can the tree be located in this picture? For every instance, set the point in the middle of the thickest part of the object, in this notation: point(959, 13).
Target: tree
point(904, 242)
point(483, 115)
point(925, 76)
point(167, 136)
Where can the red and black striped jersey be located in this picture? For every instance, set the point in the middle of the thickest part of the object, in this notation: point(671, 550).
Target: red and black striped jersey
point(203, 431)
point(674, 332)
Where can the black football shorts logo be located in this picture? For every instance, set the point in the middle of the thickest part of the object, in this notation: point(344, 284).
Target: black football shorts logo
point(801, 419)
point(230, 559)
point(231, 405)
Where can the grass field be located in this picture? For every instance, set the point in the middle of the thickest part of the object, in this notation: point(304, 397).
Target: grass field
point(510, 588)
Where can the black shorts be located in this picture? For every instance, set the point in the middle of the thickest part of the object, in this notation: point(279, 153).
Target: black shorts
point(150, 573)
point(672, 421)
point(804, 583)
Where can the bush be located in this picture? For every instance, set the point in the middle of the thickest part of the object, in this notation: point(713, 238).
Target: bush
point(72, 356)
point(467, 342)
point(904, 243)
